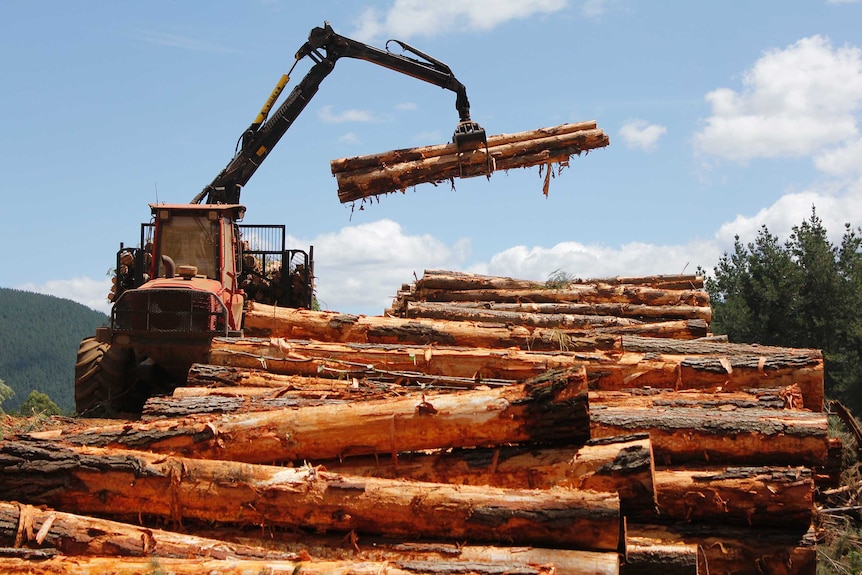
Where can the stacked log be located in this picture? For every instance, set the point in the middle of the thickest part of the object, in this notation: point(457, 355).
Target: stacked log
point(537, 440)
point(367, 176)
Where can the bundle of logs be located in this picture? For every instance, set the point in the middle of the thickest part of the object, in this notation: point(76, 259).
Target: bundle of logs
point(362, 177)
point(501, 426)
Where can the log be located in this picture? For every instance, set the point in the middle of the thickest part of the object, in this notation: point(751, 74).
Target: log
point(670, 399)
point(743, 437)
point(339, 375)
point(124, 482)
point(621, 465)
point(606, 371)
point(363, 183)
point(737, 550)
point(178, 406)
point(551, 408)
point(109, 565)
point(373, 360)
point(637, 312)
point(648, 556)
point(384, 159)
point(756, 496)
point(445, 311)
point(589, 294)
point(329, 547)
point(271, 321)
point(82, 535)
point(453, 280)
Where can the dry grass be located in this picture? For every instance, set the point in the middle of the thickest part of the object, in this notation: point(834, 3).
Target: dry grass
point(839, 515)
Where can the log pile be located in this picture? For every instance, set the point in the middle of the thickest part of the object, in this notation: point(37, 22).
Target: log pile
point(482, 425)
point(363, 177)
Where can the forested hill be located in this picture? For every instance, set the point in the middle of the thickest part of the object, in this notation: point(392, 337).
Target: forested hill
point(39, 338)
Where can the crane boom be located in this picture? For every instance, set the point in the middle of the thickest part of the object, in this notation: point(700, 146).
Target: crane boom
point(325, 47)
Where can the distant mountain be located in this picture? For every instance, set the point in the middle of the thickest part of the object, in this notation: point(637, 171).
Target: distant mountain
point(39, 338)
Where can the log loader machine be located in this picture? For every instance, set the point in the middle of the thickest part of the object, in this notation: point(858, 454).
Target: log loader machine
point(196, 267)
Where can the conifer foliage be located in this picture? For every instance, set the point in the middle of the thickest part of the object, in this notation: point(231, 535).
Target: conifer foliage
point(805, 292)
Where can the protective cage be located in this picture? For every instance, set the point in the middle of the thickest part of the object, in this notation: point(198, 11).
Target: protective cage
point(270, 273)
point(174, 311)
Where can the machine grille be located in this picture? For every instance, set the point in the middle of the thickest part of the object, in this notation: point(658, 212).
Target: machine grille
point(170, 311)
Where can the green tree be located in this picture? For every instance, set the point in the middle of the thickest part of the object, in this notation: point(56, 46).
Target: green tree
point(38, 403)
point(803, 293)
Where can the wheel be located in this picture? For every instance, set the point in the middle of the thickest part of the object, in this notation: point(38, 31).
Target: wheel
point(103, 383)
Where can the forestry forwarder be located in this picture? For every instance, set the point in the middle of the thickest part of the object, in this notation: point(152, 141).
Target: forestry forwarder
point(197, 266)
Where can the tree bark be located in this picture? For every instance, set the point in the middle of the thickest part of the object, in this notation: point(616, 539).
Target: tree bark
point(365, 380)
point(390, 157)
point(737, 550)
point(83, 535)
point(621, 465)
point(362, 183)
point(179, 406)
point(744, 437)
point(669, 399)
point(110, 565)
point(596, 311)
point(648, 557)
point(270, 321)
point(453, 280)
point(750, 496)
point(606, 371)
point(589, 293)
point(337, 548)
point(123, 482)
point(551, 408)
point(445, 311)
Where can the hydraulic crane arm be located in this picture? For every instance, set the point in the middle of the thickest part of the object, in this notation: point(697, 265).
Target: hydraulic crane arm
point(325, 47)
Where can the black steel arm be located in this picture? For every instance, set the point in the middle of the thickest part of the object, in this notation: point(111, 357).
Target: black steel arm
point(325, 47)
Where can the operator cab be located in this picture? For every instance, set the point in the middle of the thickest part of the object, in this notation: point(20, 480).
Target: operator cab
point(201, 236)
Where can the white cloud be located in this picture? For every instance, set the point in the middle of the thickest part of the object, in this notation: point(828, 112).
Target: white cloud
point(326, 114)
point(595, 8)
point(360, 268)
point(833, 209)
point(408, 18)
point(641, 134)
point(87, 291)
point(598, 261)
point(795, 102)
point(843, 161)
point(407, 107)
point(349, 138)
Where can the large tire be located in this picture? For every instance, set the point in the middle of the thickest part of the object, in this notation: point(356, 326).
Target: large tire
point(103, 381)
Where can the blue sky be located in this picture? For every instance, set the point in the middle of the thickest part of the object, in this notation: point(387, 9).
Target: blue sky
point(722, 117)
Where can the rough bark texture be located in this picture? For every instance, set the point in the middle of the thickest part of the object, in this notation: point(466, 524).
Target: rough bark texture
point(107, 481)
point(84, 535)
point(551, 408)
point(333, 547)
point(756, 496)
point(110, 565)
point(592, 294)
point(383, 159)
point(504, 152)
point(737, 550)
point(621, 465)
point(453, 280)
point(271, 321)
point(609, 370)
point(622, 313)
point(746, 437)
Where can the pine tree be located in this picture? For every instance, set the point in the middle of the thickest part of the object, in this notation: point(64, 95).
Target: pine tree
point(804, 293)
